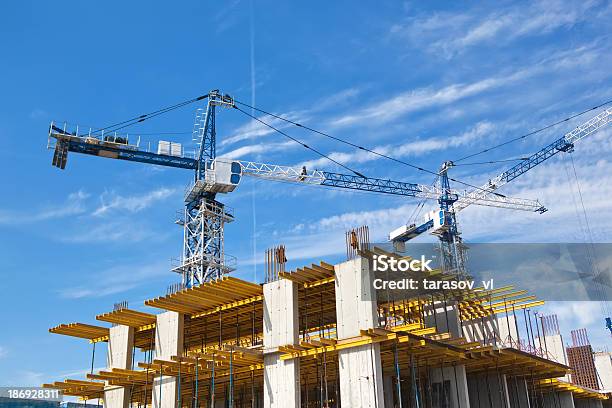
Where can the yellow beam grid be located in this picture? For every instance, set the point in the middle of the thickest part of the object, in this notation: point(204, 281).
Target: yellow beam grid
point(431, 349)
point(309, 275)
point(209, 296)
point(144, 324)
point(556, 385)
point(79, 388)
point(81, 330)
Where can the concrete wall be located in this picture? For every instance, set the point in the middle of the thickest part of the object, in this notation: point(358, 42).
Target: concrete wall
point(486, 390)
point(558, 400)
point(457, 393)
point(281, 325)
point(518, 392)
point(169, 333)
point(361, 381)
point(119, 355)
point(587, 403)
point(491, 330)
point(603, 365)
point(444, 321)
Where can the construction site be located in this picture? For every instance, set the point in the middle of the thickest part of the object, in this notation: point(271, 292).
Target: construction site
point(322, 335)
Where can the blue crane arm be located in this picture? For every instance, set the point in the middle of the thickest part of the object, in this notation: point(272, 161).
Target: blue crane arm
point(353, 182)
point(110, 147)
point(133, 155)
point(563, 144)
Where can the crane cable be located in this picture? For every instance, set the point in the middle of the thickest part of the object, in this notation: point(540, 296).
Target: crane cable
point(588, 235)
point(356, 146)
point(358, 174)
point(141, 118)
point(533, 132)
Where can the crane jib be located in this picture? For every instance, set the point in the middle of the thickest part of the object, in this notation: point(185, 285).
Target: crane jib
point(371, 184)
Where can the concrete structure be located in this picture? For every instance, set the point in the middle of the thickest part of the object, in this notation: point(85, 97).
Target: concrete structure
point(281, 377)
point(580, 359)
point(168, 343)
point(119, 355)
point(361, 379)
point(321, 336)
point(603, 366)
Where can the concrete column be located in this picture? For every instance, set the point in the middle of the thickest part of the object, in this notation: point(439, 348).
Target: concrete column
point(361, 382)
point(169, 332)
point(486, 390)
point(281, 325)
point(119, 355)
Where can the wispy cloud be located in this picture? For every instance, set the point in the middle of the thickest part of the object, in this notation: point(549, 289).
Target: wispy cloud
point(448, 34)
point(73, 205)
point(117, 279)
point(254, 129)
point(122, 230)
point(133, 203)
point(413, 148)
point(255, 149)
point(3, 352)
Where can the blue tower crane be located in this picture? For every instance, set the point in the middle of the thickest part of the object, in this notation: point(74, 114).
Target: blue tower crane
point(204, 217)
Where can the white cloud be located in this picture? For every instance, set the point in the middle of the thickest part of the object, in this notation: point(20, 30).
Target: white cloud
point(134, 203)
point(413, 148)
point(257, 149)
point(254, 129)
point(73, 205)
point(123, 230)
point(117, 279)
point(448, 34)
point(3, 352)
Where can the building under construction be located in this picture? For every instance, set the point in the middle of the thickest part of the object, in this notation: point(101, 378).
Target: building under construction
point(322, 336)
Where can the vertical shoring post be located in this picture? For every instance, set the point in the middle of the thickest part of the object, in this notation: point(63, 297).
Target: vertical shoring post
point(420, 392)
point(535, 317)
point(212, 382)
point(456, 385)
point(220, 330)
point(325, 376)
point(179, 383)
point(488, 387)
point(253, 326)
point(543, 337)
point(231, 379)
point(428, 394)
point(252, 388)
point(499, 383)
point(518, 334)
point(237, 331)
point(195, 385)
point(507, 322)
point(443, 381)
point(320, 381)
point(93, 355)
point(161, 382)
point(527, 328)
point(398, 383)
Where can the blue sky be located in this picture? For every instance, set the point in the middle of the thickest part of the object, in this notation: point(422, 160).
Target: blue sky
point(425, 83)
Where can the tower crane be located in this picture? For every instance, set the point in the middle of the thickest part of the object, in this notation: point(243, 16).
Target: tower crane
point(442, 221)
point(204, 217)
